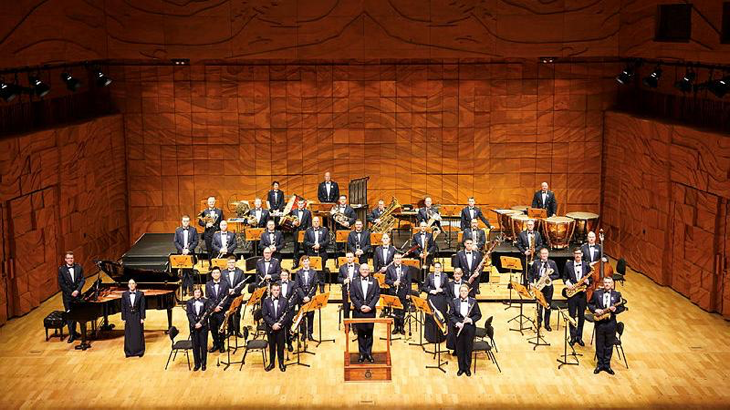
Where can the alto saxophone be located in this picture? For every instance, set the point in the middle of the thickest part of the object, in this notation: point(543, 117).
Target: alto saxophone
point(545, 279)
point(581, 286)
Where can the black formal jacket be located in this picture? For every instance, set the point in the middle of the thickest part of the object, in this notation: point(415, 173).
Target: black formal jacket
point(596, 302)
point(455, 315)
point(304, 289)
point(550, 203)
point(462, 263)
point(391, 275)
point(350, 214)
point(466, 217)
point(215, 299)
point(305, 221)
point(344, 272)
point(274, 270)
point(291, 290)
point(364, 241)
point(430, 283)
point(139, 305)
point(266, 240)
point(195, 318)
point(378, 260)
point(359, 300)
point(180, 239)
point(523, 242)
point(67, 285)
point(375, 214)
point(218, 243)
point(587, 253)
point(432, 248)
point(216, 225)
point(278, 204)
point(237, 278)
point(267, 311)
point(569, 277)
point(324, 238)
point(481, 237)
point(534, 274)
point(265, 216)
point(334, 192)
point(421, 216)
point(454, 293)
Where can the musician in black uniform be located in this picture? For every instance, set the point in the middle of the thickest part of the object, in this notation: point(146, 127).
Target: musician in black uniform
point(539, 268)
point(216, 289)
point(427, 212)
point(468, 260)
point(224, 242)
point(365, 294)
point(358, 241)
point(211, 226)
point(464, 314)
point(195, 308)
point(288, 292)
point(424, 238)
point(472, 212)
point(233, 277)
point(260, 214)
point(398, 277)
point(348, 272)
point(275, 311)
point(71, 280)
point(574, 273)
point(133, 315)
point(374, 216)
point(186, 240)
point(436, 286)
point(307, 283)
point(268, 269)
point(275, 198)
point(272, 239)
point(349, 213)
point(476, 234)
point(605, 300)
point(591, 250)
point(545, 199)
point(383, 255)
point(316, 240)
point(328, 190)
point(303, 221)
point(527, 241)
point(452, 292)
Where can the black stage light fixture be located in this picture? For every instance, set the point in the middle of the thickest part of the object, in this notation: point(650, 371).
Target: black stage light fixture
point(37, 86)
point(101, 79)
point(719, 87)
point(8, 91)
point(72, 83)
point(685, 84)
point(626, 75)
point(652, 80)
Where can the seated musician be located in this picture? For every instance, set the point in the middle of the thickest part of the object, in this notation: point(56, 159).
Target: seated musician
point(224, 242)
point(374, 216)
point(436, 286)
point(316, 240)
point(577, 272)
point(348, 271)
point(272, 239)
point(452, 292)
point(383, 255)
point(343, 208)
point(364, 294)
point(268, 269)
point(302, 223)
point(592, 250)
point(288, 292)
point(328, 190)
point(538, 269)
point(469, 260)
point(464, 315)
point(307, 283)
point(427, 212)
point(427, 248)
point(261, 215)
point(195, 308)
point(476, 234)
point(210, 219)
point(603, 301)
point(545, 199)
point(398, 277)
point(71, 280)
point(274, 309)
point(529, 241)
point(233, 278)
point(358, 241)
point(215, 290)
point(472, 212)
point(275, 198)
point(186, 240)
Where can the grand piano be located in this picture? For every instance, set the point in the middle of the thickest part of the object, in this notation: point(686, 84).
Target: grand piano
point(103, 299)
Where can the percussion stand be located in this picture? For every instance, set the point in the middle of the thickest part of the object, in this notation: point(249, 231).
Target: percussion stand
point(538, 340)
point(563, 358)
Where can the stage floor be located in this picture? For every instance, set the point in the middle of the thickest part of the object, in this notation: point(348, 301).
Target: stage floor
point(676, 352)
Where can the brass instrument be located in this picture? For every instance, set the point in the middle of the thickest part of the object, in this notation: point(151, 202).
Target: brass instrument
point(433, 217)
point(606, 312)
point(242, 208)
point(339, 216)
point(581, 286)
point(438, 317)
point(544, 280)
point(386, 221)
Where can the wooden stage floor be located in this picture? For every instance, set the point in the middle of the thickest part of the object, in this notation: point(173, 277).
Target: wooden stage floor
point(677, 353)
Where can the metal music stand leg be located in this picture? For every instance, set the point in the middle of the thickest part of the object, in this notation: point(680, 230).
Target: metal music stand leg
point(521, 320)
point(509, 302)
point(439, 363)
point(420, 337)
point(538, 340)
point(228, 363)
point(299, 352)
point(563, 358)
point(320, 340)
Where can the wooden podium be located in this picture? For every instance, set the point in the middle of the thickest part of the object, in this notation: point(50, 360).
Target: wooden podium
point(380, 370)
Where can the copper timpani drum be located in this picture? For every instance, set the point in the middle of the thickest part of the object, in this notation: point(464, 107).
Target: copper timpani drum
point(519, 223)
point(558, 230)
point(584, 223)
point(520, 208)
point(505, 224)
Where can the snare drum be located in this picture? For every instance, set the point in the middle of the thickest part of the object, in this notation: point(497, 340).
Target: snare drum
point(519, 223)
point(584, 223)
point(505, 225)
point(557, 231)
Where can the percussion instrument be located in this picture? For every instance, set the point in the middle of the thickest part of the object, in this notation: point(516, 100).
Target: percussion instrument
point(584, 223)
point(518, 222)
point(503, 219)
point(557, 231)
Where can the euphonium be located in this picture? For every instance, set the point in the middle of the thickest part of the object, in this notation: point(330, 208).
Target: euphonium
point(387, 220)
point(339, 216)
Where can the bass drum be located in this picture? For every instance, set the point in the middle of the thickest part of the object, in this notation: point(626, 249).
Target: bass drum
point(557, 231)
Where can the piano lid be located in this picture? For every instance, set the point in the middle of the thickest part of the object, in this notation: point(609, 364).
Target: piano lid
point(122, 274)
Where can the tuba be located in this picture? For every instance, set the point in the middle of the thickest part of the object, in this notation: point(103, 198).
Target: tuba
point(387, 220)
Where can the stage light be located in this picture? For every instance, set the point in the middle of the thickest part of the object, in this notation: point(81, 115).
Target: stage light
point(652, 80)
point(547, 60)
point(8, 92)
point(101, 79)
point(626, 75)
point(38, 87)
point(685, 84)
point(72, 83)
point(718, 87)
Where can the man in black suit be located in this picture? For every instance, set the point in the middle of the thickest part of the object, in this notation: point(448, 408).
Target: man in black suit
point(302, 223)
point(210, 219)
point(328, 190)
point(307, 282)
point(288, 292)
point(216, 289)
point(195, 308)
point(427, 248)
point(268, 269)
point(452, 292)
point(427, 212)
point(350, 217)
point(71, 280)
point(605, 300)
point(365, 294)
point(472, 212)
point(261, 215)
point(477, 235)
point(274, 311)
point(545, 199)
point(574, 273)
point(358, 241)
point(347, 273)
point(528, 241)
point(468, 260)
point(374, 216)
point(224, 242)
point(383, 255)
point(539, 268)
point(275, 198)
point(186, 240)
point(233, 277)
point(591, 250)
point(398, 277)
point(316, 240)
point(272, 239)
point(464, 315)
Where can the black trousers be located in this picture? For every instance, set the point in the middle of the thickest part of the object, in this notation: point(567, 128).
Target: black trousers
point(298, 248)
point(208, 239)
point(345, 303)
point(465, 346)
point(188, 281)
point(364, 334)
point(67, 300)
point(577, 310)
point(399, 313)
point(605, 339)
point(234, 322)
point(547, 291)
point(276, 344)
point(216, 320)
point(363, 258)
point(200, 345)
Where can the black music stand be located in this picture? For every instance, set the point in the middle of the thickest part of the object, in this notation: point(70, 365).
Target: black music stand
point(301, 351)
point(521, 318)
point(391, 302)
point(318, 302)
point(512, 264)
point(439, 363)
point(421, 307)
point(538, 340)
point(563, 358)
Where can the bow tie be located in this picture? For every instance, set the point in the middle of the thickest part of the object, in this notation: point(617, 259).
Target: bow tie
point(133, 292)
point(276, 299)
point(464, 300)
point(468, 253)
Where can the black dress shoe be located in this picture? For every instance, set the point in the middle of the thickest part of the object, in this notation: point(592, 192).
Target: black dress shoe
point(203, 368)
point(289, 347)
point(468, 373)
point(370, 359)
point(403, 332)
point(460, 372)
point(597, 370)
point(196, 368)
point(609, 371)
point(395, 331)
point(212, 349)
point(269, 367)
point(361, 359)
point(282, 367)
point(580, 342)
point(222, 350)
point(572, 342)
point(70, 339)
point(548, 328)
point(238, 334)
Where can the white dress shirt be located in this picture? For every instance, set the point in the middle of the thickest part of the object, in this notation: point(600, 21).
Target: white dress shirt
point(464, 308)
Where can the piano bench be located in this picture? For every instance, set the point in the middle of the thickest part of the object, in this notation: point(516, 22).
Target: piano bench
point(55, 320)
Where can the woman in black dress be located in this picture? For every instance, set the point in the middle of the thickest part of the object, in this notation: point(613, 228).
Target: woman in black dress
point(133, 315)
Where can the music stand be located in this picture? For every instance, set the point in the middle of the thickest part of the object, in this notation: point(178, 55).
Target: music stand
point(523, 293)
point(564, 361)
point(376, 238)
point(234, 305)
point(415, 264)
point(424, 309)
point(391, 302)
point(539, 340)
point(511, 264)
point(221, 263)
point(318, 302)
point(253, 235)
point(302, 311)
point(537, 213)
point(181, 262)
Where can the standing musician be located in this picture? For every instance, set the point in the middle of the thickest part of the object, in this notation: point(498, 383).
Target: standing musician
point(383, 255)
point(545, 199)
point(272, 239)
point(528, 241)
point(425, 239)
point(539, 268)
point(347, 273)
point(464, 315)
point(477, 235)
point(468, 260)
point(574, 272)
point(358, 241)
point(605, 300)
point(260, 214)
point(302, 223)
point(275, 198)
point(233, 276)
point(268, 269)
point(452, 292)
point(316, 240)
point(374, 216)
point(288, 292)
point(274, 310)
point(591, 250)
point(224, 242)
point(195, 308)
point(328, 190)
point(186, 240)
point(307, 283)
point(365, 294)
point(343, 207)
point(71, 280)
point(212, 225)
point(470, 213)
point(216, 289)
point(398, 277)
point(437, 288)
point(424, 214)
point(133, 315)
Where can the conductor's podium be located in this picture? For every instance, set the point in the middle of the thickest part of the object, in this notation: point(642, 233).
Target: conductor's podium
point(380, 370)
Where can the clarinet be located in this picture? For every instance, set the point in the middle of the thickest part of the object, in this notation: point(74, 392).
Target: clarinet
point(467, 315)
point(289, 306)
point(223, 301)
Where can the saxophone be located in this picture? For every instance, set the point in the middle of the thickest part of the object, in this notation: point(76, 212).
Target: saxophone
point(544, 280)
point(581, 286)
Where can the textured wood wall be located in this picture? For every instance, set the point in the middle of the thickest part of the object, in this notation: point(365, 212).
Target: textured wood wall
point(666, 193)
point(66, 190)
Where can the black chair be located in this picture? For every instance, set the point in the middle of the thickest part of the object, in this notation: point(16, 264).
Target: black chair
point(184, 345)
point(558, 304)
point(486, 347)
point(619, 345)
point(620, 274)
point(255, 344)
point(481, 333)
